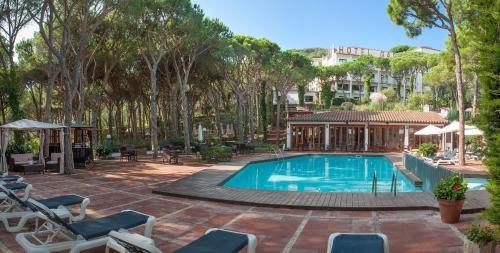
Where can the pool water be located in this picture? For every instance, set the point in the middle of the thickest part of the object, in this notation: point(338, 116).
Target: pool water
point(321, 173)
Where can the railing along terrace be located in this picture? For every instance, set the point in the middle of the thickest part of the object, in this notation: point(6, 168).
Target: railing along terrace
point(428, 173)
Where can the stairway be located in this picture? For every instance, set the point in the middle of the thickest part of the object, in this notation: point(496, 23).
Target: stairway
point(272, 135)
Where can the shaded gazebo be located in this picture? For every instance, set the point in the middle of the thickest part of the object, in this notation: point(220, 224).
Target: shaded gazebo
point(28, 125)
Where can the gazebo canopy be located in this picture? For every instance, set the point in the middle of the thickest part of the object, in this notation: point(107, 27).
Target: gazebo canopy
point(429, 130)
point(473, 132)
point(453, 127)
point(26, 124)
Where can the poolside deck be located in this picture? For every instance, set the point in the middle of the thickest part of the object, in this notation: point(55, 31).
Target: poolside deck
point(205, 185)
point(115, 185)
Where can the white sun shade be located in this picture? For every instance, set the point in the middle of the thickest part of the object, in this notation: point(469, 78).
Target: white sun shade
point(429, 130)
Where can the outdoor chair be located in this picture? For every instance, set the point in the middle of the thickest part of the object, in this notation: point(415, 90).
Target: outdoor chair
point(6, 178)
point(54, 162)
point(214, 241)
point(357, 243)
point(21, 211)
point(170, 156)
point(449, 158)
point(80, 235)
point(18, 159)
point(5, 204)
point(124, 153)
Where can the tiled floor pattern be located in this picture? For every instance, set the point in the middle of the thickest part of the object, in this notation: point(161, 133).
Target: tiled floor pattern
point(113, 186)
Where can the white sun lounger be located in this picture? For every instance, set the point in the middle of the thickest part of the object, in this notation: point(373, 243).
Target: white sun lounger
point(57, 235)
point(21, 189)
point(215, 240)
point(23, 211)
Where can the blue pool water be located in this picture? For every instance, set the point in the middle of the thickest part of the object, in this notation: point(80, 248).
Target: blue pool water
point(321, 173)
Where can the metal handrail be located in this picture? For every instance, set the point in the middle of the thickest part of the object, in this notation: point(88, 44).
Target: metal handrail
point(374, 183)
point(394, 183)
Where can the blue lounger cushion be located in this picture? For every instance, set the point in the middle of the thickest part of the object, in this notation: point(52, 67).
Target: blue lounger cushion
point(66, 200)
point(15, 186)
point(216, 242)
point(352, 243)
point(90, 229)
point(10, 178)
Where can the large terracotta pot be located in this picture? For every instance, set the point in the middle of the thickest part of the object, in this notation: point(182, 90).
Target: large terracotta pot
point(450, 210)
point(471, 247)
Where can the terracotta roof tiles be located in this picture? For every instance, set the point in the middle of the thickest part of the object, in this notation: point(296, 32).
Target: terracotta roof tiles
point(368, 116)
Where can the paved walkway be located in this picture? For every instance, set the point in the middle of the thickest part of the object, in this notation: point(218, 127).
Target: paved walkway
point(115, 185)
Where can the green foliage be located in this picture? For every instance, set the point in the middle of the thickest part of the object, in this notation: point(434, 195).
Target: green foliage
point(451, 188)
point(390, 94)
point(417, 101)
point(272, 147)
point(347, 106)
point(302, 93)
point(484, 19)
point(427, 149)
point(103, 150)
point(177, 141)
point(480, 235)
point(400, 48)
point(452, 115)
point(217, 153)
point(327, 95)
point(314, 52)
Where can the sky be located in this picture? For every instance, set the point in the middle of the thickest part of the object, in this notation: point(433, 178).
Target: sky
point(296, 24)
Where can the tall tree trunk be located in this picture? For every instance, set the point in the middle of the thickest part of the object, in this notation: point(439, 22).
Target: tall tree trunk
point(185, 116)
point(164, 109)
point(175, 110)
point(461, 108)
point(239, 120)
point(475, 91)
point(263, 108)
point(251, 127)
point(110, 119)
point(133, 108)
point(68, 147)
point(154, 112)
point(278, 117)
point(118, 120)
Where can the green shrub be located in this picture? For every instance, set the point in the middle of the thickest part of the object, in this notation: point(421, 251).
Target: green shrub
point(347, 106)
point(480, 235)
point(272, 147)
point(217, 153)
point(452, 115)
point(103, 150)
point(451, 188)
point(427, 149)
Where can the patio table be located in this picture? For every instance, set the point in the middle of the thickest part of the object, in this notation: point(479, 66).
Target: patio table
point(35, 167)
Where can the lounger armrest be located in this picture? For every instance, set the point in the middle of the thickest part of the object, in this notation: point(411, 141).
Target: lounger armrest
point(83, 210)
point(252, 239)
point(120, 240)
point(148, 227)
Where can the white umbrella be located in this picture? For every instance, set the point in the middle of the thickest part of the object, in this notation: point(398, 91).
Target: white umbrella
point(453, 127)
point(473, 132)
point(429, 130)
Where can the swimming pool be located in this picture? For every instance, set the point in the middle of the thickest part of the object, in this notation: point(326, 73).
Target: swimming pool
point(321, 173)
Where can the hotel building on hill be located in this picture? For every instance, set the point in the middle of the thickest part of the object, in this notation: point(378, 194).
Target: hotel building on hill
point(350, 88)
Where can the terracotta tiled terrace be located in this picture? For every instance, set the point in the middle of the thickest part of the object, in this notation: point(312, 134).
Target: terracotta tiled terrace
point(113, 185)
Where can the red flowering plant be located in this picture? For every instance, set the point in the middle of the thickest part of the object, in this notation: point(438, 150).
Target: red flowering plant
point(451, 188)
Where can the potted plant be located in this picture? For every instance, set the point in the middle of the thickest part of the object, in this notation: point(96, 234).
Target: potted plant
point(481, 239)
point(450, 194)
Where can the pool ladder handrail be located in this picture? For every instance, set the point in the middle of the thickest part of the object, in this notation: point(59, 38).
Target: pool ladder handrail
point(278, 154)
point(394, 183)
point(374, 183)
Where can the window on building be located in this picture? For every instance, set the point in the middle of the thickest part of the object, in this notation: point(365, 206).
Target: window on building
point(356, 88)
point(342, 60)
point(373, 88)
point(382, 79)
point(343, 86)
point(308, 99)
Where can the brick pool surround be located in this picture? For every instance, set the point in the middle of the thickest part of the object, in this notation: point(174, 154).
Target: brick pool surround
point(207, 185)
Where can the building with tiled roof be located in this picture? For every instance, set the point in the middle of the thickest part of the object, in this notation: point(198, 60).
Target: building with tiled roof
point(360, 130)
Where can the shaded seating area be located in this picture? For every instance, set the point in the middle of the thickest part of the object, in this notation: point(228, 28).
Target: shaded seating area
point(28, 162)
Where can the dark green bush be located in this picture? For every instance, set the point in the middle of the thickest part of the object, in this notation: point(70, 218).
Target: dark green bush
point(480, 235)
point(427, 149)
point(217, 153)
point(103, 150)
point(451, 188)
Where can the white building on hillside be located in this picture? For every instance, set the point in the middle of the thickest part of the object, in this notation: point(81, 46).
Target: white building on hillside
point(352, 88)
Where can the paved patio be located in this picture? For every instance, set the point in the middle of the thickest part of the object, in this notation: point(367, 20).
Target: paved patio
point(115, 185)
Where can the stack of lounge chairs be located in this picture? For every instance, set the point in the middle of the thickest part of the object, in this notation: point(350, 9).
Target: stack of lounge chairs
point(449, 157)
point(62, 230)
